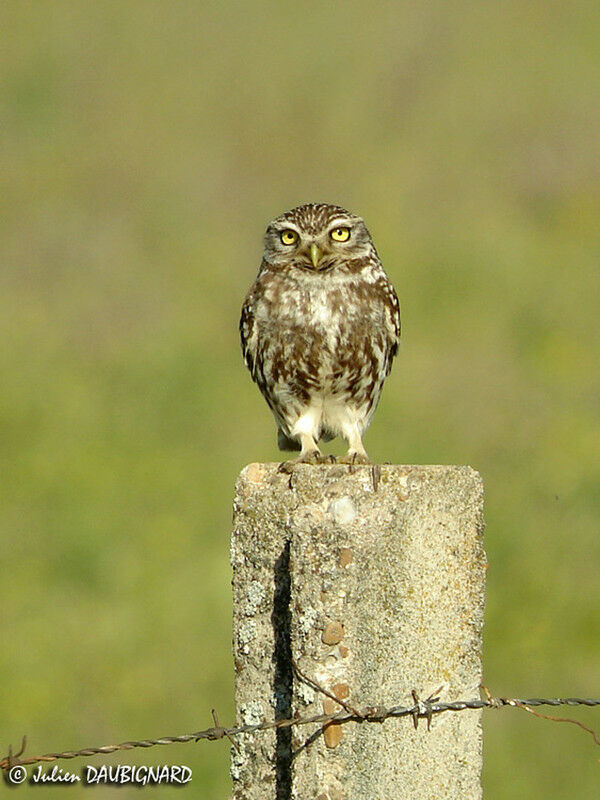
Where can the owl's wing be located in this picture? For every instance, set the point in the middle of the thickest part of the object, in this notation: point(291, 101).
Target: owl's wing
point(393, 325)
point(247, 332)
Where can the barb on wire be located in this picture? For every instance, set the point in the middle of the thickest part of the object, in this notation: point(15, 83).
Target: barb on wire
point(421, 709)
point(425, 707)
point(224, 732)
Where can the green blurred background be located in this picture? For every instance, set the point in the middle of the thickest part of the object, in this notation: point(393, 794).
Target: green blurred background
point(145, 145)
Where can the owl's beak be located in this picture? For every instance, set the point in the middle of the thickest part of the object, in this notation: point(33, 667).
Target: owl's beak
point(315, 254)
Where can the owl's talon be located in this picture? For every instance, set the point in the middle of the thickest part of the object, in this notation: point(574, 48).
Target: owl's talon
point(330, 459)
point(310, 457)
point(286, 467)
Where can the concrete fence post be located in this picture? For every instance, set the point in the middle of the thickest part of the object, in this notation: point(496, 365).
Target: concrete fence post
point(373, 582)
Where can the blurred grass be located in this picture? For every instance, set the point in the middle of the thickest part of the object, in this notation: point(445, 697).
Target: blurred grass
point(144, 148)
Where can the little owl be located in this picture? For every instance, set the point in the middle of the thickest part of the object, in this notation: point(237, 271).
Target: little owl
point(320, 327)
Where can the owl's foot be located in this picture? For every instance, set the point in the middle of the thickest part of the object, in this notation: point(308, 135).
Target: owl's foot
point(308, 457)
point(353, 458)
point(312, 457)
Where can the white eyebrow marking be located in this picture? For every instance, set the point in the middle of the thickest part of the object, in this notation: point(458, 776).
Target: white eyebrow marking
point(340, 222)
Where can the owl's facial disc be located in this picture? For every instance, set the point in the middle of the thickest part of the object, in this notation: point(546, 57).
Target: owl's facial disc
point(316, 242)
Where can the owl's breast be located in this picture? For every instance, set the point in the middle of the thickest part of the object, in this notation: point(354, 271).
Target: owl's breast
point(312, 315)
point(320, 339)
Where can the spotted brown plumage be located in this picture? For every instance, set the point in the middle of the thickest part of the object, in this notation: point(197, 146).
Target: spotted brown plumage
point(320, 328)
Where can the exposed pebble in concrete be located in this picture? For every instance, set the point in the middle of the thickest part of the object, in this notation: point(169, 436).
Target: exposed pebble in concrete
point(333, 733)
point(341, 691)
point(333, 633)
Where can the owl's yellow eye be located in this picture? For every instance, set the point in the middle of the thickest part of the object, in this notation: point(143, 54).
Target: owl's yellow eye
point(340, 234)
point(288, 236)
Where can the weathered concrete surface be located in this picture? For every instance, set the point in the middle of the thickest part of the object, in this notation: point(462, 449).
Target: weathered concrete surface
point(374, 592)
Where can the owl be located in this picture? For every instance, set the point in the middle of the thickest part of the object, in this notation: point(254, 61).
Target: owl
point(320, 328)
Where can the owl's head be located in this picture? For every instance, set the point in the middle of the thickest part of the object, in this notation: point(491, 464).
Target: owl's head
point(317, 237)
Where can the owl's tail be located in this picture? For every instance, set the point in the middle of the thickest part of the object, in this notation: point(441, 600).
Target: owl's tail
point(326, 435)
point(285, 443)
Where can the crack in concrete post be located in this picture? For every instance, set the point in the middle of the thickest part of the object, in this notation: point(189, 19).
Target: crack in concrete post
point(284, 676)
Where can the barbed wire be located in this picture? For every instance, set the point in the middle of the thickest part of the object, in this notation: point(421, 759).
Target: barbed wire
point(420, 709)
